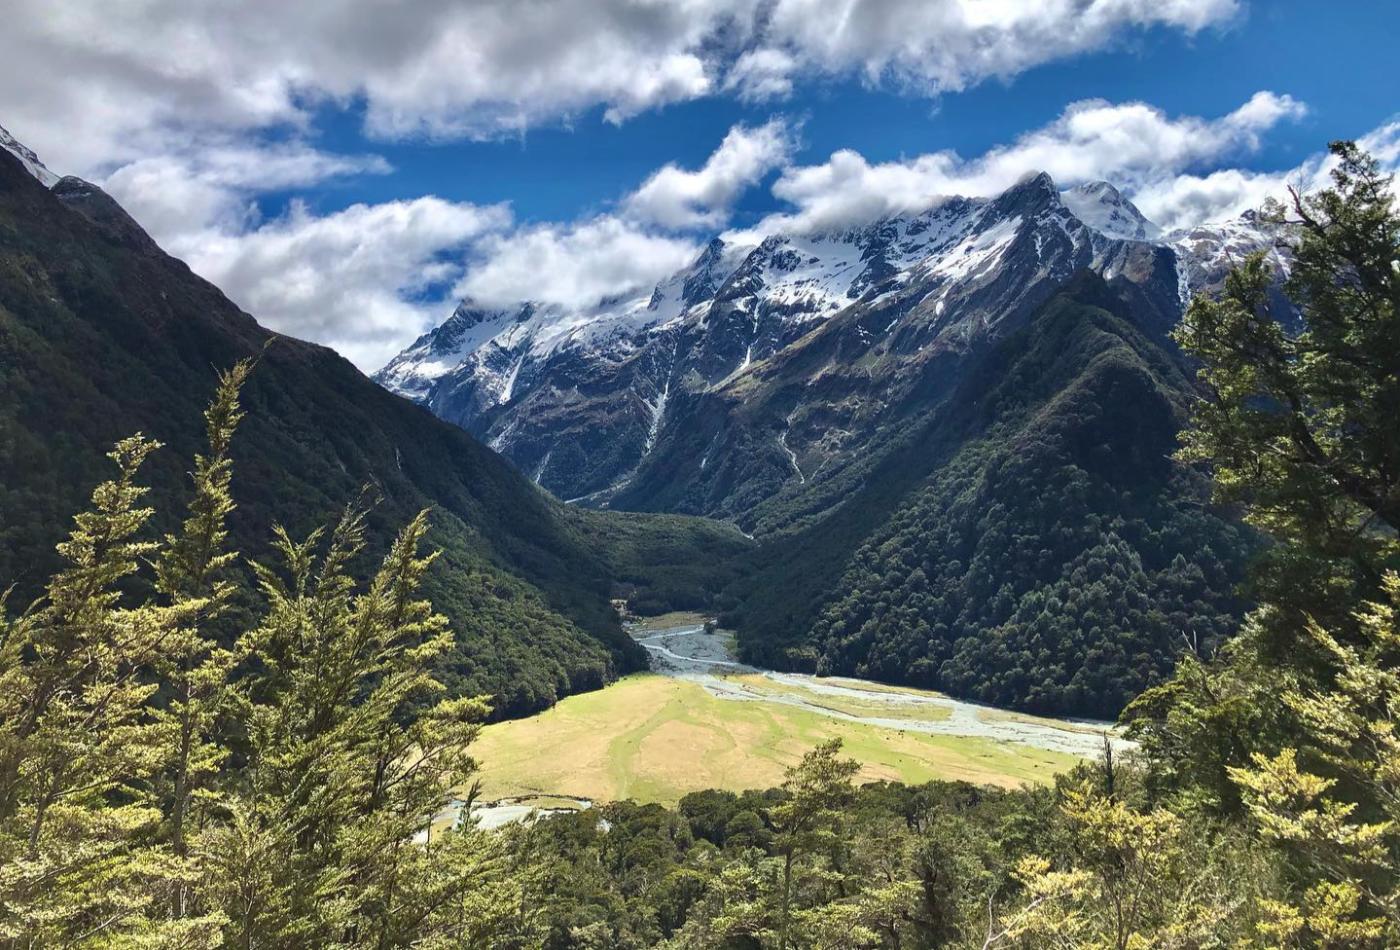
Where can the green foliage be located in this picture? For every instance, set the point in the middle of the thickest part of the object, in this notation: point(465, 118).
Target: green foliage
point(1299, 423)
point(77, 748)
point(1132, 877)
point(1292, 728)
point(944, 864)
point(815, 863)
point(1340, 824)
point(663, 563)
point(149, 796)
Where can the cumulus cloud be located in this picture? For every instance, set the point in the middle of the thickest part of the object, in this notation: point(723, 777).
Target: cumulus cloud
point(1184, 200)
point(572, 264)
point(175, 193)
point(1133, 144)
point(929, 48)
point(159, 100)
point(649, 237)
point(90, 84)
point(675, 198)
point(362, 280)
point(762, 74)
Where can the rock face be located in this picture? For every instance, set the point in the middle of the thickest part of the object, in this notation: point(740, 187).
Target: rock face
point(759, 369)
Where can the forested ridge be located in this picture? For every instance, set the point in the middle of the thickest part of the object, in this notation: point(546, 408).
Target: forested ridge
point(1053, 558)
point(103, 335)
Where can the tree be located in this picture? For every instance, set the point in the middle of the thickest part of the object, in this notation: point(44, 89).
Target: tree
point(1293, 725)
point(1339, 821)
point(193, 669)
point(157, 788)
point(350, 749)
point(78, 751)
point(1299, 424)
point(1131, 877)
point(817, 788)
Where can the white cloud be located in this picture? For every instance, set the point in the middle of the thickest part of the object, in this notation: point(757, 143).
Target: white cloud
point(932, 47)
point(649, 238)
point(159, 100)
point(173, 194)
point(362, 280)
point(1184, 200)
point(92, 84)
point(762, 74)
point(675, 198)
point(572, 264)
point(1133, 144)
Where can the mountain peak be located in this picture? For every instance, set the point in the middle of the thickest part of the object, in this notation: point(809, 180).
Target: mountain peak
point(1035, 179)
point(1032, 193)
point(27, 158)
point(1104, 208)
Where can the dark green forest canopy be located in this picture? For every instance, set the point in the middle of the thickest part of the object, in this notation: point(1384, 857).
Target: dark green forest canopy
point(1032, 544)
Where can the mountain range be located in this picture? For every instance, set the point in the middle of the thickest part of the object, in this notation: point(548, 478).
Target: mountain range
point(879, 407)
point(762, 367)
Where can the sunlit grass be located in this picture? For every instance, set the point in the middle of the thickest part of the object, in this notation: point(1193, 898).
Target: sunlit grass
point(654, 738)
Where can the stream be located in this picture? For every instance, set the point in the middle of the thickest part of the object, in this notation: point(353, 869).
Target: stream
point(689, 652)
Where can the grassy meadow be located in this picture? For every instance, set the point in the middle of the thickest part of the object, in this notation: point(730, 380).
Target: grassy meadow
point(655, 738)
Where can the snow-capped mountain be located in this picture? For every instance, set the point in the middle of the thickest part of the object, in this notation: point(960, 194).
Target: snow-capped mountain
point(760, 367)
point(1210, 251)
point(27, 158)
point(1099, 205)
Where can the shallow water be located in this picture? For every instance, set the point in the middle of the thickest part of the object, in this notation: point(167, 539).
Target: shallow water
point(689, 652)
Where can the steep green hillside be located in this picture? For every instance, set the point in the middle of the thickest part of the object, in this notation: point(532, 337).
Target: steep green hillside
point(102, 334)
point(1028, 543)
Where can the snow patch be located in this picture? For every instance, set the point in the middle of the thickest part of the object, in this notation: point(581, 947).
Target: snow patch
point(28, 159)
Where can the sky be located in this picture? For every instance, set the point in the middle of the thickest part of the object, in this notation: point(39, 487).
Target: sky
point(346, 170)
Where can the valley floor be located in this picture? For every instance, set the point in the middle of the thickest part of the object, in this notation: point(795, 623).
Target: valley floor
point(703, 720)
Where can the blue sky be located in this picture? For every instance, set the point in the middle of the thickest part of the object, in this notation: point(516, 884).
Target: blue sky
point(347, 169)
point(1337, 58)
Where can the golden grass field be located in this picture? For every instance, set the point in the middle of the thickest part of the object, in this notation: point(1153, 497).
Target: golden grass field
point(654, 738)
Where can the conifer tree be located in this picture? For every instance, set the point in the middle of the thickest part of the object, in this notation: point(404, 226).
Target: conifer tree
point(1298, 423)
point(1293, 726)
point(1298, 426)
point(129, 816)
point(805, 822)
point(352, 750)
point(78, 750)
point(1331, 800)
point(194, 671)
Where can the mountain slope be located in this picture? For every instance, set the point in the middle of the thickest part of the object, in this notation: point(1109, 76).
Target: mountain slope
point(736, 379)
point(102, 334)
point(1028, 544)
point(730, 385)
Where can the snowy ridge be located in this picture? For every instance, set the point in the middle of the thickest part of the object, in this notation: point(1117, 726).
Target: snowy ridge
point(1099, 205)
point(558, 389)
point(1209, 251)
point(28, 159)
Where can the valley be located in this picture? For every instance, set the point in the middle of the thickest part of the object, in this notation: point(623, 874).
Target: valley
point(936, 487)
point(701, 719)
